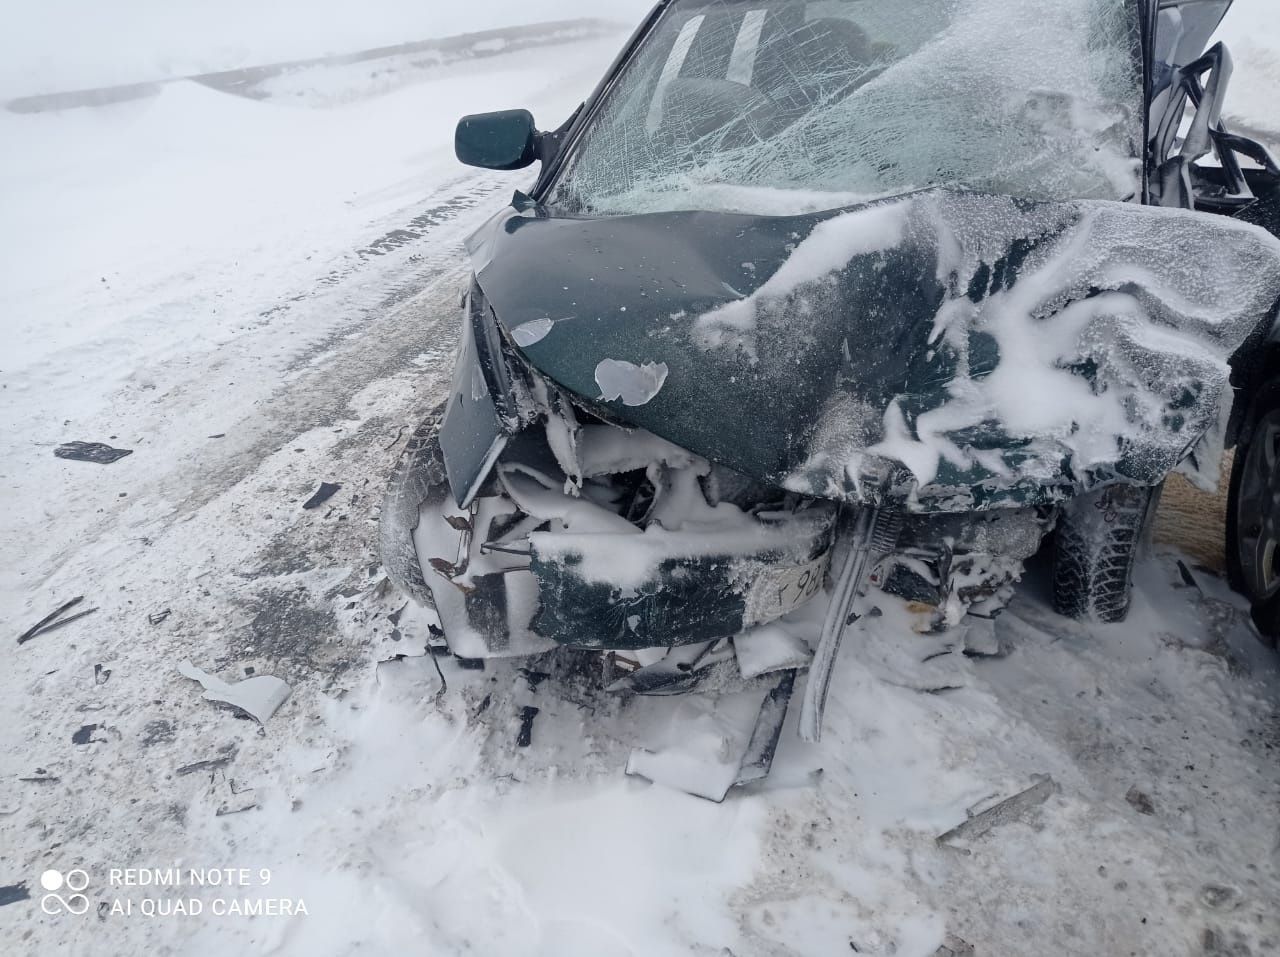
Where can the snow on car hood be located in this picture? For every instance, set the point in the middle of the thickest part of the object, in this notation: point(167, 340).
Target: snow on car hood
point(950, 350)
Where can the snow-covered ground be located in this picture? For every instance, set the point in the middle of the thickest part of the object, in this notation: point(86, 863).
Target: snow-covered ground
point(259, 295)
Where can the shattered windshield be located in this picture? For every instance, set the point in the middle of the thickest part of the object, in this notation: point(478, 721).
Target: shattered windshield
point(782, 106)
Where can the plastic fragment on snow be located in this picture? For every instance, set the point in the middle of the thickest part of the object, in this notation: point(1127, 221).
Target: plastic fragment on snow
point(716, 738)
point(90, 452)
point(210, 765)
point(231, 799)
point(683, 771)
point(326, 491)
point(259, 697)
point(681, 670)
point(85, 735)
point(758, 761)
point(1007, 811)
point(525, 737)
point(955, 947)
point(410, 675)
point(770, 648)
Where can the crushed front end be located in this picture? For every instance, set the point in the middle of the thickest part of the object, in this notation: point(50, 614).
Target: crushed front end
point(533, 523)
point(698, 441)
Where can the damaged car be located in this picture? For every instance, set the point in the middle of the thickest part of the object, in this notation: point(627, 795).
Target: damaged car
point(813, 299)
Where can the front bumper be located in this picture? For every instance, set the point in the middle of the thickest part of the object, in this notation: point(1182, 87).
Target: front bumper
point(526, 567)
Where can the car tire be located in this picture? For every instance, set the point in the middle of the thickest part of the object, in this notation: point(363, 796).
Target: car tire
point(1095, 549)
point(1253, 512)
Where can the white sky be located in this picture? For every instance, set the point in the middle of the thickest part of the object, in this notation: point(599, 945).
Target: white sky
point(52, 45)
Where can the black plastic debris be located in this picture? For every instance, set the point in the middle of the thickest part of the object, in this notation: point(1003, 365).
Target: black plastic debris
point(90, 452)
point(758, 760)
point(210, 765)
point(55, 620)
point(101, 675)
point(85, 735)
point(158, 618)
point(326, 491)
point(525, 737)
point(1140, 801)
point(534, 678)
point(12, 893)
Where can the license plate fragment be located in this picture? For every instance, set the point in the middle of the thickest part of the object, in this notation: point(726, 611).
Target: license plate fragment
point(782, 589)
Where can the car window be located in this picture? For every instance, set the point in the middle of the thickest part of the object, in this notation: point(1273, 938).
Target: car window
point(755, 105)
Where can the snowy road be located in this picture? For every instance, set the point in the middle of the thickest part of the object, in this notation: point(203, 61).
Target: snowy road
point(259, 296)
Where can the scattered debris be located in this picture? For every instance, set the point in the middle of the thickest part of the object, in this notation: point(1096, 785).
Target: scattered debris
point(534, 678)
point(159, 617)
point(220, 435)
point(41, 776)
point(90, 452)
point(101, 675)
point(258, 697)
point(157, 731)
point(1008, 810)
point(12, 893)
point(210, 765)
point(326, 491)
point(409, 675)
point(235, 800)
point(981, 639)
point(54, 620)
point(85, 735)
point(1140, 801)
point(724, 741)
point(758, 761)
point(525, 737)
point(770, 648)
point(681, 670)
point(955, 947)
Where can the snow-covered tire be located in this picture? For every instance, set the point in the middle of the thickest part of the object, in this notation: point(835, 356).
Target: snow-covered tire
point(419, 477)
point(1253, 511)
point(1097, 544)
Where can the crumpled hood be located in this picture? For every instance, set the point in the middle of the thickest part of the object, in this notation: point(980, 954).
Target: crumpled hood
point(949, 350)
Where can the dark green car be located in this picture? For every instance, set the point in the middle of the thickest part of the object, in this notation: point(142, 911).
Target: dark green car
point(816, 297)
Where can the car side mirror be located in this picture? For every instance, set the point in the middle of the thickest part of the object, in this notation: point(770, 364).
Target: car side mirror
point(505, 140)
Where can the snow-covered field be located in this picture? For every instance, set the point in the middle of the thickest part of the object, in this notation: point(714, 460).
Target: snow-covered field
point(256, 296)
